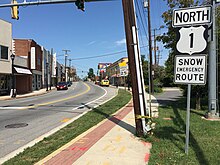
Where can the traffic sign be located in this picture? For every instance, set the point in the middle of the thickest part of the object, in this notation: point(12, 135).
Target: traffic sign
point(192, 40)
point(190, 69)
point(192, 16)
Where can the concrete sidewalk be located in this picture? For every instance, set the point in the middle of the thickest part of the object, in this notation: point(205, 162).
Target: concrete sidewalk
point(111, 142)
point(34, 93)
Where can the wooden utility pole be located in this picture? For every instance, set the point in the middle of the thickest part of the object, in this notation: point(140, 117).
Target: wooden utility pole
point(138, 90)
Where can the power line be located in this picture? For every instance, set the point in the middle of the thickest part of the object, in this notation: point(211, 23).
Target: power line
point(104, 55)
point(141, 18)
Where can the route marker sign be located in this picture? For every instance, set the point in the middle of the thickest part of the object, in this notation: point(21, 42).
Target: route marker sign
point(192, 16)
point(192, 40)
point(190, 69)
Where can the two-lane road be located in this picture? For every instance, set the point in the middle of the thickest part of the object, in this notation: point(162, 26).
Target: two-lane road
point(24, 120)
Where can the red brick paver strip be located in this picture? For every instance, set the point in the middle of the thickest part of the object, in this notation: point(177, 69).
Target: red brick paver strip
point(69, 155)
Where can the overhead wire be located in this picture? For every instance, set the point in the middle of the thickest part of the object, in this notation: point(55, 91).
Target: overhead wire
point(141, 18)
point(104, 55)
point(142, 22)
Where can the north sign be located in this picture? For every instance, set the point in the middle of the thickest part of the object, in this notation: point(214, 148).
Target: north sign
point(192, 16)
point(190, 69)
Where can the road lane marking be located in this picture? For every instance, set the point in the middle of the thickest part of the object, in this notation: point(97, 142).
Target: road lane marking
point(92, 101)
point(12, 107)
point(40, 138)
point(65, 120)
point(64, 99)
point(51, 102)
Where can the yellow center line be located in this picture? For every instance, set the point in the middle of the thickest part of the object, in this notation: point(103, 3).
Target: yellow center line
point(64, 99)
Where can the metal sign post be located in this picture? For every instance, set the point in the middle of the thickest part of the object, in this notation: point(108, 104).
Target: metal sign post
point(190, 65)
point(188, 118)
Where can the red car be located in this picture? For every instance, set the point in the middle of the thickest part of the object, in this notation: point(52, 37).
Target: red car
point(62, 85)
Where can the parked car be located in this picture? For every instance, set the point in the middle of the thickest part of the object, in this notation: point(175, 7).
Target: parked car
point(62, 86)
point(104, 83)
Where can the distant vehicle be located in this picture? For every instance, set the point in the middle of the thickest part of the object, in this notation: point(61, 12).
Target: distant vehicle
point(69, 83)
point(104, 83)
point(62, 86)
point(97, 82)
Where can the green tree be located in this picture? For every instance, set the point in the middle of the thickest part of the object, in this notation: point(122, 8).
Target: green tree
point(91, 74)
point(158, 73)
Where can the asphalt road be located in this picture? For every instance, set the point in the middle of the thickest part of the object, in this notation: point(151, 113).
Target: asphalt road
point(26, 119)
point(168, 96)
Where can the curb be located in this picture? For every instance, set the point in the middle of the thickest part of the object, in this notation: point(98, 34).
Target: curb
point(47, 158)
point(28, 94)
point(33, 142)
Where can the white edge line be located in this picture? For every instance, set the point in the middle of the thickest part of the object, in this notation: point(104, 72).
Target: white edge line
point(12, 108)
point(33, 142)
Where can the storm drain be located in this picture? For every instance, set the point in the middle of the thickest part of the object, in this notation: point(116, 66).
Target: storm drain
point(17, 125)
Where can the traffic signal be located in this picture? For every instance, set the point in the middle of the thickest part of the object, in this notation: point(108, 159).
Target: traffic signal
point(80, 4)
point(14, 10)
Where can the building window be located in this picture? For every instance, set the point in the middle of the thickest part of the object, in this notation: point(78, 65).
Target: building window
point(3, 52)
point(4, 84)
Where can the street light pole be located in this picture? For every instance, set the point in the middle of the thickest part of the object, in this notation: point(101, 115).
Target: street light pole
point(212, 79)
point(69, 68)
point(56, 75)
point(13, 95)
point(47, 76)
point(65, 61)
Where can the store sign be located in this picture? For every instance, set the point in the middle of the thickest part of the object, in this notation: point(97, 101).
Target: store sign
point(190, 69)
point(33, 58)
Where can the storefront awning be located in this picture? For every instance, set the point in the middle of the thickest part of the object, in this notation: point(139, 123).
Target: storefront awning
point(22, 70)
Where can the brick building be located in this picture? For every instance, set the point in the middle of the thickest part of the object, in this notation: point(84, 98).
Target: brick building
point(32, 52)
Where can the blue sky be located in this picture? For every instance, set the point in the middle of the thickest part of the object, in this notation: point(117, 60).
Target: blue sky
point(97, 31)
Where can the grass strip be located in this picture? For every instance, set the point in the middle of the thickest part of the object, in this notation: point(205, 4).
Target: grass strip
point(50, 144)
point(168, 140)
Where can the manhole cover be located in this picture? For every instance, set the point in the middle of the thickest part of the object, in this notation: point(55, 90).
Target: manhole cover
point(17, 125)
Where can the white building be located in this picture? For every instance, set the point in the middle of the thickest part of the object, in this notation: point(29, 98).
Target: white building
point(5, 60)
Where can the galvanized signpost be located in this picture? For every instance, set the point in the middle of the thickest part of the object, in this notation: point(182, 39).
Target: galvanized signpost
point(191, 64)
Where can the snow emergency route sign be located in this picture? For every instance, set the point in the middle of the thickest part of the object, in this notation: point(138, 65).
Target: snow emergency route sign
point(190, 69)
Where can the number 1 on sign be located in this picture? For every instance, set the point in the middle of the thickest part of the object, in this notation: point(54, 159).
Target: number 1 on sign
point(191, 40)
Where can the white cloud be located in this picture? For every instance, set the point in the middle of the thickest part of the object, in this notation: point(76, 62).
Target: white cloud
point(91, 43)
point(121, 42)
